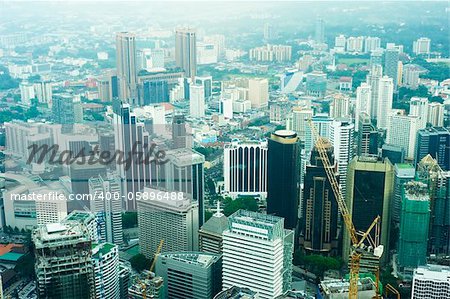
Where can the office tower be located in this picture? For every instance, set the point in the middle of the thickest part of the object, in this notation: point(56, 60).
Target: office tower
point(52, 207)
point(367, 137)
point(371, 44)
point(63, 263)
point(373, 79)
point(79, 176)
point(184, 172)
point(402, 132)
point(341, 138)
point(26, 92)
point(299, 122)
point(434, 141)
point(436, 114)
point(410, 77)
point(67, 109)
point(283, 171)
point(105, 257)
point(268, 31)
point(319, 35)
point(174, 221)
point(384, 103)
point(130, 135)
point(431, 282)
point(257, 254)
point(363, 104)
point(87, 219)
point(403, 173)
point(206, 81)
point(146, 283)
point(226, 108)
point(124, 279)
point(355, 44)
point(419, 107)
point(340, 106)
point(320, 210)
point(391, 58)
point(395, 154)
point(414, 224)
point(107, 207)
point(190, 275)
point(370, 184)
point(322, 122)
point(245, 167)
point(126, 66)
point(438, 181)
point(376, 57)
point(316, 84)
point(43, 92)
point(236, 293)
point(104, 89)
point(421, 46)
point(197, 100)
point(186, 51)
point(210, 233)
point(179, 131)
point(271, 53)
point(153, 92)
point(258, 92)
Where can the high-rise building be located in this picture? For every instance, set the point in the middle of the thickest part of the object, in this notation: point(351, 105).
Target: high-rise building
point(371, 44)
point(431, 282)
point(85, 218)
point(355, 44)
point(370, 184)
point(414, 224)
point(410, 76)
point(340, 106)
point(179, 137)
point(283, 171)
point(26, 92)
point(436, 114)
point(299, 120)
point(316, 84)
point(270, 53)
point(126, 66)
point(52, 207)
point(67, 109)
point(391, 58)
point(319, 209)
point(210, 233)
point(395, 154)
point(434, 141)
point(339, 43)
point(384, 103)
point(367, 137)
point(376, 57)
point(206, 81)
point(363, 104)
point(258, 92)
point(124, 279)
point(174, 221)
point(422, 46)
point(245, 167)
point(373, 79)
point(197, 100)
point(43, 92)
point(403, 173)
point(105, 257)
point(322, 122)
point(419, 107)
point(153, 92)
point(257, 254)
point(186, 51)
point(319, 35)
point(190, 275)
point(63, 266)
point(107, 207)
point(341, 138)
point(402, 132)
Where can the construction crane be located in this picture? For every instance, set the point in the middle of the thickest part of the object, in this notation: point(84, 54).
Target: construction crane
point(393, 290)
point(357, 238)
point(143, 285)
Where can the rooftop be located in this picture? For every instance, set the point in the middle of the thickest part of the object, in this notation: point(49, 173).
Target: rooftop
point(201, 259)
point(433, 272)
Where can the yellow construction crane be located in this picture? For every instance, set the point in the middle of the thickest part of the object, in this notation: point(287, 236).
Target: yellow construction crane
point(357, 238)
point(393, 290)
point(143, 285)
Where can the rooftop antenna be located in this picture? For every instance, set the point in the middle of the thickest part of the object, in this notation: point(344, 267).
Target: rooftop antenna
point(218, 212)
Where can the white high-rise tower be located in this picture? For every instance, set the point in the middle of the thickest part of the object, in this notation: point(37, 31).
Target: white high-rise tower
point(385, 98)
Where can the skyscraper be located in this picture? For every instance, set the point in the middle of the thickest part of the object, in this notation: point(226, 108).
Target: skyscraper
point(436, 114)
point(403, 173)
point(373, 79)
point(63, 264)
point(126, 66)
point(341, 138)
point(431, 282)
point(67, 110)
point(190, 275)
point(363, 104)
point(197, 100)
point(245, 167)
point(402, 132)
point(210, 235)
point(370, 184)
point(105, 257)
point(384, 103)
point(186, 51)
point(258, 92)
point(174, 221)
point(367, 137)
point(419, 107)
point(179, 131)
point(340, 106)
point(283, 170)
point(414, 224)
point(421, 46)
point(319, 35)
point(319, 208)
point(257, 254)
point(391, 58)
point(436, 142)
